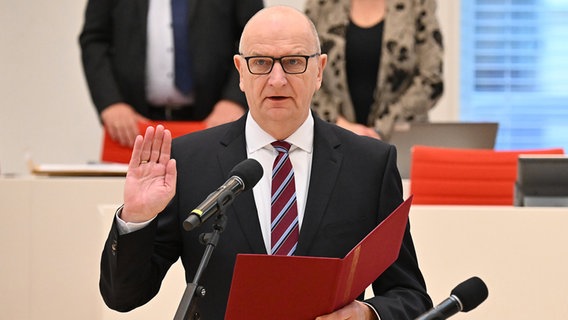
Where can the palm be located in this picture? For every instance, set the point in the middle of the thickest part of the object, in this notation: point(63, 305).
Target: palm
point(147, 189)
point(151, 178)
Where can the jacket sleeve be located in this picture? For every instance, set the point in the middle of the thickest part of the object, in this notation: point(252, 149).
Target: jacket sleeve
point(96, 45)
point(133, 265)
point(400, 292)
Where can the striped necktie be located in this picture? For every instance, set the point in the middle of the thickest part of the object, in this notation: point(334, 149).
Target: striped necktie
point(284, 211)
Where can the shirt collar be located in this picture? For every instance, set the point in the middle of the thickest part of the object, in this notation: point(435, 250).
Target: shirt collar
point(257, 138)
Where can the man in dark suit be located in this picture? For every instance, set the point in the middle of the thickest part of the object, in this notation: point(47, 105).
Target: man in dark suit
point(128, 58)
point(345, 185)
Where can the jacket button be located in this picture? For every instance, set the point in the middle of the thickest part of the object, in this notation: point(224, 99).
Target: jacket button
point(114, 247)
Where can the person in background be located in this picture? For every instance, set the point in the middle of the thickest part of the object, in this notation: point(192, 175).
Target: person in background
point(385, 62)
point(163, 60)
point(341, 187)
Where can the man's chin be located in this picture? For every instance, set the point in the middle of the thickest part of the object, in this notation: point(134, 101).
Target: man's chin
point(279, 113)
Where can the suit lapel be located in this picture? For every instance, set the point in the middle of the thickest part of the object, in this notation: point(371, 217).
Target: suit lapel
point(246, 216)
point(326, 162)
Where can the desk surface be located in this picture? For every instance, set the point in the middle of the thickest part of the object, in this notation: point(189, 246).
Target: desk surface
point(53, 230)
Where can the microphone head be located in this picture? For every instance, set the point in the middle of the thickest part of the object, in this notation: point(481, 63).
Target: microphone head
point(471, 293)
point(249, 171)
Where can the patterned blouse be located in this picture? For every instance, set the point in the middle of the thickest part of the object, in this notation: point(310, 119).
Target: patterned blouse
point(410, 77)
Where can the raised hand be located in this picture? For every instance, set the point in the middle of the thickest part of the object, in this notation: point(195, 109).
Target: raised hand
point(151, 177)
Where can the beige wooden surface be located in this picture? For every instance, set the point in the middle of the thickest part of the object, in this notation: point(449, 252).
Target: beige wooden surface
point(52, 231)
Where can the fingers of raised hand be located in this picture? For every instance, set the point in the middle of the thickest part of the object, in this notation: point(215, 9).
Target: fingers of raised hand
point(166, 147)
point(154, 147)
point(157, 143)
point(146, 147)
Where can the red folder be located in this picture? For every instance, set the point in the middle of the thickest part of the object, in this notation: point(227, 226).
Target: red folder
point(283, 287)
point(112, 151)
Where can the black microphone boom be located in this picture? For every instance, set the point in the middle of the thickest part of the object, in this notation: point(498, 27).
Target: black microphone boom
point(244, 176)
point(464, 297)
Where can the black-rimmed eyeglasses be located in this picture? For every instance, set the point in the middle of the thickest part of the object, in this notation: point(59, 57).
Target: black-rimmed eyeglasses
point(292, 64)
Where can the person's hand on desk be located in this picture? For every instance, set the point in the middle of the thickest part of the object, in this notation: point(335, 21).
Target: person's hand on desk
point(356, 310)
point(121, 122)
point(357, 128)
point(224, 111)
point(151, 177)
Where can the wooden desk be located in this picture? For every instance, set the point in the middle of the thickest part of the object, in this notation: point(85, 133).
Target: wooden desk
point(53, 230)
point(520, 253)
point(51, 238)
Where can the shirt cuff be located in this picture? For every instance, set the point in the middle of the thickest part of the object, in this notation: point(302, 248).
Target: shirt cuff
point(128, 227)
point(374, 310)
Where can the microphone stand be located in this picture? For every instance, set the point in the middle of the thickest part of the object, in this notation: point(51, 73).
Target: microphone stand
point(188, 309)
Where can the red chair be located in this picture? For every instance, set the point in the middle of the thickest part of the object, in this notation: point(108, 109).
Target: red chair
point(114, 152)
point(465, 176)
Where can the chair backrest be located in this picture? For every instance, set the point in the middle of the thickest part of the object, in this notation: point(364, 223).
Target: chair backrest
point(465, 176)
point(112, 151)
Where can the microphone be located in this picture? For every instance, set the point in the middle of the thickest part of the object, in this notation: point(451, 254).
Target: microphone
point(464, 297)
point(243, 177)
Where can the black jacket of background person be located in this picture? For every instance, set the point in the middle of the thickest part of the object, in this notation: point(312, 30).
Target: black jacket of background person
point(113, 44)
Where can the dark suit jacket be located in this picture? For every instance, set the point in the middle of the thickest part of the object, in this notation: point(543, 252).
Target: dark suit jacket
point(354, 186)
point(113, 44)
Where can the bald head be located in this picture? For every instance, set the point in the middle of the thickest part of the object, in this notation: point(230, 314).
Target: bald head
point(281, 22)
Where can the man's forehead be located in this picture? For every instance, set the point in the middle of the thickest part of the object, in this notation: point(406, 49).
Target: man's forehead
point(276, 48)
point(285, 42)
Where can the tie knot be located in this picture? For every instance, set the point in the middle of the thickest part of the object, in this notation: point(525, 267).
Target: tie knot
point(281, 146)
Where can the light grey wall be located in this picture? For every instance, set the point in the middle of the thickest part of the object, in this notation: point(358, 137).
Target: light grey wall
point(45, 110)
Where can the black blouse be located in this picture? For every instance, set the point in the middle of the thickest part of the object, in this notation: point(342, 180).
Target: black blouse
point(362, 59)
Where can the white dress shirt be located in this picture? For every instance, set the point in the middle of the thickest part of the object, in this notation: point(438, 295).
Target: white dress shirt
point(259, 148)
point(160, 66)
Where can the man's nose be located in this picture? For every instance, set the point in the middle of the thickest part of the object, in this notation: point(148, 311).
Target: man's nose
point(277, 75)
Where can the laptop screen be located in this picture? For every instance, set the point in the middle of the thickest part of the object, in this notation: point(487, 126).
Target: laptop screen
point(472, 135)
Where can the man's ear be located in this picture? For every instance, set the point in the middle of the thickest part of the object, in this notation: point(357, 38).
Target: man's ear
point(238, 61)
point(322, 62)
